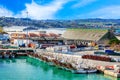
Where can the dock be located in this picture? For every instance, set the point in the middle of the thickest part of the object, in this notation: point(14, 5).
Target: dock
point(70, 61)
point(76, 60)
point(12, 53)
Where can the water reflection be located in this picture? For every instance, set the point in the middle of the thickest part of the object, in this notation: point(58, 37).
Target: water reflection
point(111, 78)
point(62, 74)
point(7, 61)
point(26, 68)
point(38, 63)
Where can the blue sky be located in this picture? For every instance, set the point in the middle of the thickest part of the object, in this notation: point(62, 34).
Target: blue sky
point(61, 9)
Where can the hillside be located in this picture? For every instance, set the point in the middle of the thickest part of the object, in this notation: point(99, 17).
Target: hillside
point(84, 23)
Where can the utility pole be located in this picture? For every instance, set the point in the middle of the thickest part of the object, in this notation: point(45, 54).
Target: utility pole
point(27, 29)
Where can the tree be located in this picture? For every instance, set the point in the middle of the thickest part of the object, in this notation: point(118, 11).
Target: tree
point(114, 41)
point(1, 29)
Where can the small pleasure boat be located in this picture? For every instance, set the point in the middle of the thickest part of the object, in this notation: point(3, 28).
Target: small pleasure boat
point(1, 56)
point(85, 71)
point(12, 56)
point(6, 55)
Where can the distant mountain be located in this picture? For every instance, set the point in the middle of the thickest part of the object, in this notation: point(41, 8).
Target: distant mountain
point(79, 23)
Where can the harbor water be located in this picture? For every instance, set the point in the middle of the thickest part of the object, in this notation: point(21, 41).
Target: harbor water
point(26, 68)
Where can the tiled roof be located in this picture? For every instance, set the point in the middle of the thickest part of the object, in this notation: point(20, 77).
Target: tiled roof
point(33, 35)
point(53, 35)
point(43, 35)
point(85, 34)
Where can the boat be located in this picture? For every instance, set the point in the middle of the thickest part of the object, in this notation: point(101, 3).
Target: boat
point(12, 56)
point(92, 71)
point(84, 71)
point(1, 56)
point(6, 55)
point(80, 71)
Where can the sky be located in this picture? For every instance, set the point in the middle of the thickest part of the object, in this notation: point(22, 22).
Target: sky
point(60, 9)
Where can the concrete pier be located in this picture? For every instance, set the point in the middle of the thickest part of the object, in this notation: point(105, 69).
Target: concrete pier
point(77, 60)
point(112, 73)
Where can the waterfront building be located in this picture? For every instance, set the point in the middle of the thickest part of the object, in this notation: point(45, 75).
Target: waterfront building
point(118, 37)
point(48, 38)
point(4, 38)
point(87, 37)
point(35, 38)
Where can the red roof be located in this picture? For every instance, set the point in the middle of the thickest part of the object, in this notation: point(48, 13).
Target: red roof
point(53, 35)
point(43, 35)
point(33, 35)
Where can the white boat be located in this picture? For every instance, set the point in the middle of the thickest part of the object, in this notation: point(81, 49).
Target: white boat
point(83, 71)
point(92, 71)
point(12, 56)
point(6, 55)
point(1, 56)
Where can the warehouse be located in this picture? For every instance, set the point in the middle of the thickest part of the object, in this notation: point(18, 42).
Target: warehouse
point(87, 37)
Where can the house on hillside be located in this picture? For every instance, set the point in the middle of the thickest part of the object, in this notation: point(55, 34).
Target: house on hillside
point(87, 37)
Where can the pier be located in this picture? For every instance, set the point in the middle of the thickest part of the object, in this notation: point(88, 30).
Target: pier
point(69, 62)
point(12, 53)
point(75, 62)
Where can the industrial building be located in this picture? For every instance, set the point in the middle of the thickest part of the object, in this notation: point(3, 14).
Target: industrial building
point(87, 37)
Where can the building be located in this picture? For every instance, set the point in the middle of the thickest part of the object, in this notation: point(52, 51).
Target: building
point(18, 35)
point(48, 38)
point(20, 39)
point(118, 37)
point(4, 38)
point(87, 37)
point(35, 38)
point(14, 28)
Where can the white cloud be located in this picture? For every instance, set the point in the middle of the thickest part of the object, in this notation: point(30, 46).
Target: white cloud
point(5, 12)
point(107, 12)
point(82, 3)
point(48, 11)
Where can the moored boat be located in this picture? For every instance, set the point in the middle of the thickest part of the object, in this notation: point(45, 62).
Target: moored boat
point(84, 71)
point(12, 56)
point(6, 55)
point(1, 56)
point(92, 71)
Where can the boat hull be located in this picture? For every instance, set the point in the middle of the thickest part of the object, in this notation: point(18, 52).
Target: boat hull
point(12, 56)
point(6, 56)
point(84, 71)
point(1, 56)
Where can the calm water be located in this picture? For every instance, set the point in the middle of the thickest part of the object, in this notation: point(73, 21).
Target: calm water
point(26, 68)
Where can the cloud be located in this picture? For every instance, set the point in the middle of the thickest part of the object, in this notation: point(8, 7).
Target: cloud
point(47, 11)
point(107, 12)
point(5, 12)
point(82, 3)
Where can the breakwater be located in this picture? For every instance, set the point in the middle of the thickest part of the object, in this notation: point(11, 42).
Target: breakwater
point(64, 61)
point(74, 62)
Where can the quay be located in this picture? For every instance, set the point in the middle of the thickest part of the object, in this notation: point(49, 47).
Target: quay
point(12, 53)
point(69, 62)
point(75, 62)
